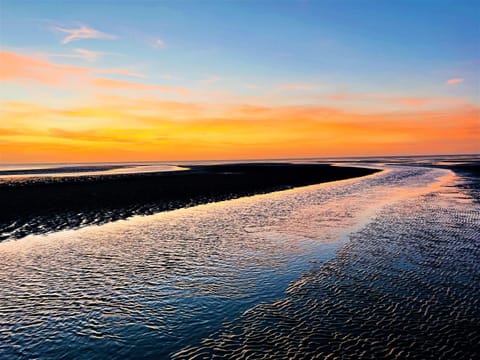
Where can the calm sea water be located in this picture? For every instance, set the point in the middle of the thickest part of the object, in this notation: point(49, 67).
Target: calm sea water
point(239, 277)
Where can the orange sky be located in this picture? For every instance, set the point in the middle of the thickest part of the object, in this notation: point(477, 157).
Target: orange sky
point(129, 119)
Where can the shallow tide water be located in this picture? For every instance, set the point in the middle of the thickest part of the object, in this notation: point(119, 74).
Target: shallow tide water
point(350, 268)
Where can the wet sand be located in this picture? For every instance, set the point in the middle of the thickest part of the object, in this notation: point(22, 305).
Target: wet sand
point(41, 205)
point(384, 266)
point(404, 287)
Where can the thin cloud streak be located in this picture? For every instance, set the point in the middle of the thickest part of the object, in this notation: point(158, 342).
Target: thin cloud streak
point(294, 87)
point(19, 68)
point(120, 84)
point(124, 72)
point(408, 101)
point(87, 55)
point(83, 54)
point(211, 79)
point(454, 81)
point(81, 33)
point(158, 43)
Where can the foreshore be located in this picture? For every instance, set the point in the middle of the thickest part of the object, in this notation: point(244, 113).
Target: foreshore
point(51, 204)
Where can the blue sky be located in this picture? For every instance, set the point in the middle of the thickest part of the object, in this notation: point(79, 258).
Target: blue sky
point(366, 46)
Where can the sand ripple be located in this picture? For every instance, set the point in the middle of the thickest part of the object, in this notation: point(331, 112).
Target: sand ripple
point(210, 281)
point(407, 286)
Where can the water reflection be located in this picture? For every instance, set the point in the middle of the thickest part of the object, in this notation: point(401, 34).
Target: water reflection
point(149, 286)
point(405, 286)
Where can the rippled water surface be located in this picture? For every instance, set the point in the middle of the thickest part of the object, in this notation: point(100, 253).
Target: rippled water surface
point(385, 265)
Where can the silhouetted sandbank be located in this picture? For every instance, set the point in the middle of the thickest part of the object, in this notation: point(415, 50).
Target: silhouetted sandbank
point(472, 169)
point(42, 205)
point(60, 170)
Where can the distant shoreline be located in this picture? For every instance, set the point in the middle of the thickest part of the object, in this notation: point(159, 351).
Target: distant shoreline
point(44, 205)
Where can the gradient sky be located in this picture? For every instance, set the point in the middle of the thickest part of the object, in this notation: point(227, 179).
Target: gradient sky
point(186, 80)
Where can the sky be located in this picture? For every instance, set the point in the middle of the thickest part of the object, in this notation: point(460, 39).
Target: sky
point(191, 80)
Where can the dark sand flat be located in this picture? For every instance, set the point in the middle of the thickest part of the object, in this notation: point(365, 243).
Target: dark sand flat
point(60, 170)
point(41, 205)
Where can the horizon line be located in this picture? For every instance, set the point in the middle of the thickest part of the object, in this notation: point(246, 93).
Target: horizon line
point(237, 160)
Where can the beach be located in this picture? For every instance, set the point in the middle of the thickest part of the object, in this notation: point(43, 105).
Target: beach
point(384, 265)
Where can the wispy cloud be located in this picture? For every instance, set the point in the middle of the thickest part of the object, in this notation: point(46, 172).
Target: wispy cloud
point(211, 79)
point(83, 54)
point(119, 72)
point(15, 66)
point(122, 85)
point(294, 87)
point(87, 55)
point(20, 68)
point(454, 81)
point(92, 135)
point(157, 43)
point(83, 32)
point(169, 77)
point(407, 101)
